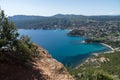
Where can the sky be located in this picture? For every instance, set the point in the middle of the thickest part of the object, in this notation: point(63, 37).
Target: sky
point(52, 7)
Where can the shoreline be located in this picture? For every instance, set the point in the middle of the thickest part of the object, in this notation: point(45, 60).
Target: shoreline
point(104, 52)
point(112, 49)
point(107, 46)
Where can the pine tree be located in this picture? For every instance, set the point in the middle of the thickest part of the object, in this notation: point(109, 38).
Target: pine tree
point(8, 33)
point(12, 48)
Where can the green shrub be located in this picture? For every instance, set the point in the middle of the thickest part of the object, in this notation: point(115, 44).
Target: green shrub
point(13, 49)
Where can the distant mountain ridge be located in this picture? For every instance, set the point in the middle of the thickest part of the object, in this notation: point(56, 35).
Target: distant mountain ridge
point(62, 21)
point(24, 17)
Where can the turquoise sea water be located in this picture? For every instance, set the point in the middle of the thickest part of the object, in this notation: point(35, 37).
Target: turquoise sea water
point(66, 49)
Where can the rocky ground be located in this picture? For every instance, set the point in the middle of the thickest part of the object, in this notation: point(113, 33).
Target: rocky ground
point(46, 68)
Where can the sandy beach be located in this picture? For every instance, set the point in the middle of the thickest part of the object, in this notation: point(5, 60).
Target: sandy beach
point(112, 49)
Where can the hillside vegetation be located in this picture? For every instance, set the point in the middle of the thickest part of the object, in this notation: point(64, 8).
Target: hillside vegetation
point(14, 49)
point(98, 67)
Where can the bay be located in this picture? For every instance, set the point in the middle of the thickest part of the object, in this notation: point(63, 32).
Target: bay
point(66, 49)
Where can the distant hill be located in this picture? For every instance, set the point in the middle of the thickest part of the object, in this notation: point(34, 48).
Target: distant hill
point(60, 21)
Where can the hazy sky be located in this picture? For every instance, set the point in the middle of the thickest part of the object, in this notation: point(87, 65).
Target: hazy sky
point(51, 7)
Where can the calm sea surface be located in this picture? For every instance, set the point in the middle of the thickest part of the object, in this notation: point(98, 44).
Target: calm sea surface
point(66, 49)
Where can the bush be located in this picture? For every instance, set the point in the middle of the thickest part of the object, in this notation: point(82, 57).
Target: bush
point(12, 48)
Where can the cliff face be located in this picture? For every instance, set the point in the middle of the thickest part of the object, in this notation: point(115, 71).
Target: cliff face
point(46, 68)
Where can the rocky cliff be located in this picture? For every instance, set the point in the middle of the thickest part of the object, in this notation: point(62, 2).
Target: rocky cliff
point(46, 68)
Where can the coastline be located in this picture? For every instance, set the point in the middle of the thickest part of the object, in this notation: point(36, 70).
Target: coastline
point(112, 49)
point(107, 46)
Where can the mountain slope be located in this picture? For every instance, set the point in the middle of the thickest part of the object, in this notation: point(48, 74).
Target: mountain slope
point(46, 68)
point(105, 66)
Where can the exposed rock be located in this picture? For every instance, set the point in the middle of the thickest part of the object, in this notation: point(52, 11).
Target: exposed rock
point(46, 68)
point(95, 54)
point(103, 59)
